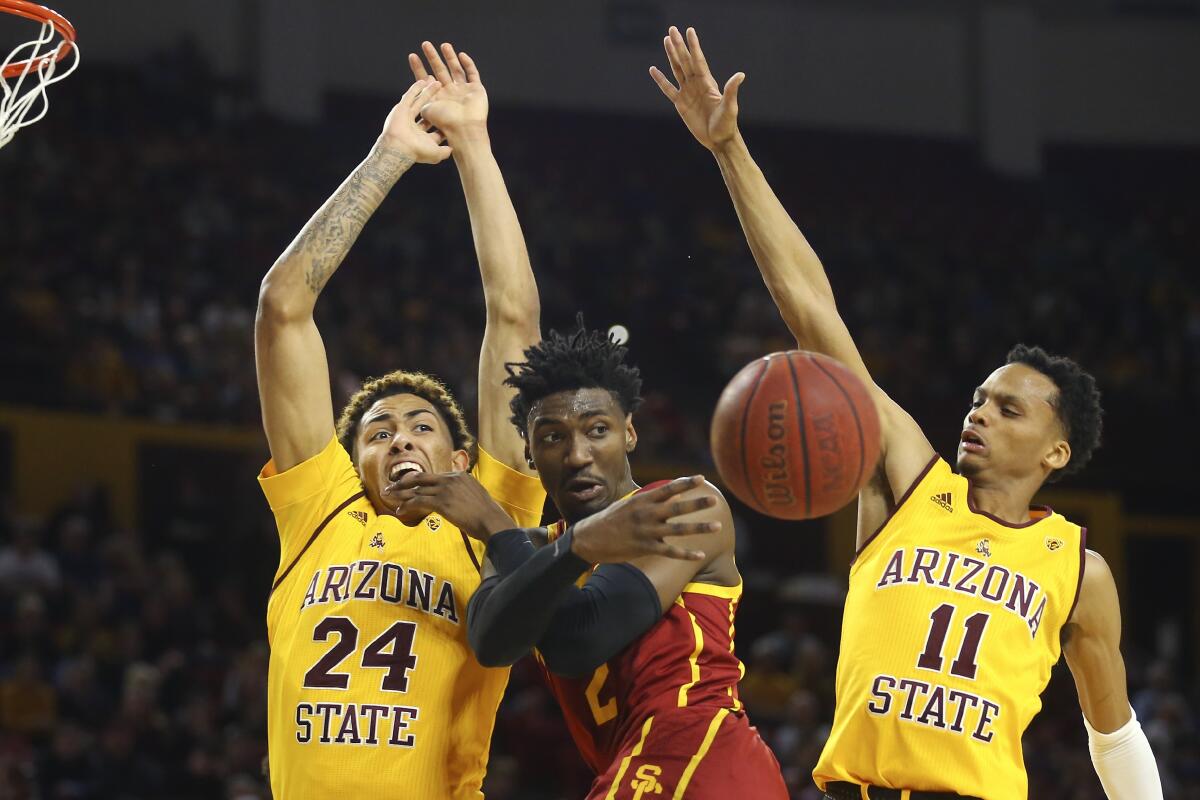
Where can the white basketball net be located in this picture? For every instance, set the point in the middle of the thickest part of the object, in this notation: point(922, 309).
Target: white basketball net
point(25, 100)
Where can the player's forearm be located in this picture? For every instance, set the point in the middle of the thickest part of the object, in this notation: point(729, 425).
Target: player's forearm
point(791, 269)
point(509, 289)
point(292, 285)
point(1124, 762)
point(510, 612)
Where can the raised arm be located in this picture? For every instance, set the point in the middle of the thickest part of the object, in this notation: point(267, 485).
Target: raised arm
point(789, 266)
point(293, 375)
point(1120, 751)
point(509, 290)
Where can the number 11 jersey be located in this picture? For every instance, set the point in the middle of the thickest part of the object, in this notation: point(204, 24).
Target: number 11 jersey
point(950, 631)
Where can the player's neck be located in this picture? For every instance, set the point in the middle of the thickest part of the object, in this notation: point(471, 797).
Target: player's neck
point(1007, 501)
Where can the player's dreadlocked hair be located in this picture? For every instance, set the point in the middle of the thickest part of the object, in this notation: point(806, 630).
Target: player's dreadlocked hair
point(1077, 404)
point(584, 359)
point(403, 382)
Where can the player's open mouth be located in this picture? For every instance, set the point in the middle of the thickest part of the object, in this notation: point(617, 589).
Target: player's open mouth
point(972, 442)
point(400, 469)
point(584, 489)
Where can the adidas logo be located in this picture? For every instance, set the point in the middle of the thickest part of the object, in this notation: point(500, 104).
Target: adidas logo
point(361, 516)
point(944, 500)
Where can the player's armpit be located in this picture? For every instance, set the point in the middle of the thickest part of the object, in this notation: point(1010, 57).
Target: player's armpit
point(1092, 645)
point(905, 453)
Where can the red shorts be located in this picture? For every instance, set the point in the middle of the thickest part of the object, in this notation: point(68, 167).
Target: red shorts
point(696, 753)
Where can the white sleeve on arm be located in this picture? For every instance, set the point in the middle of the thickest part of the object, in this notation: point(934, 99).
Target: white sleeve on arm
point(1124, 761)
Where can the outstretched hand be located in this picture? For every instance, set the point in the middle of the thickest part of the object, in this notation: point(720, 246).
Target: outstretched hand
point(462, 103)
point(709, 112)
point(403, 130)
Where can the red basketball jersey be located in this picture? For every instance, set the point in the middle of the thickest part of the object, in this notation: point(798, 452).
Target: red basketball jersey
point(685, 660)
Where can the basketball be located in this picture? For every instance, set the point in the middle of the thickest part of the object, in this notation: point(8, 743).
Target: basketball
point(795, 435)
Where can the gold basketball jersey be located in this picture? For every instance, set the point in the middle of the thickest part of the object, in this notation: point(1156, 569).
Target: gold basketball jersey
point(950, 631)
point(373, 690)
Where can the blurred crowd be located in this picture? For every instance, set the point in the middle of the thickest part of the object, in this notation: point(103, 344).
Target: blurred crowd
point(141, 219)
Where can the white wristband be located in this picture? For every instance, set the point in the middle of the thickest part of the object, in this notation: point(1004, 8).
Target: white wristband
point(1124, 761)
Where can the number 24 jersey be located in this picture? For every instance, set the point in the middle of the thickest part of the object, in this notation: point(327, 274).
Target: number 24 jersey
point(372, 688)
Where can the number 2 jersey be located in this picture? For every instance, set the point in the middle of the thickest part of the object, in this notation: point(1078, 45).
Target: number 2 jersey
point(662, 717)
point(373, 690)
point(950, 631)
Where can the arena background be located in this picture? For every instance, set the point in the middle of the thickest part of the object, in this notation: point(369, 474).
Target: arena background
point(973, 174)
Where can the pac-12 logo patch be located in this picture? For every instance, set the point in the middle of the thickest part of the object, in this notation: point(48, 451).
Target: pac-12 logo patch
point(377, 541)
point(984, 548)
point(433, 522)
point(1053, 544)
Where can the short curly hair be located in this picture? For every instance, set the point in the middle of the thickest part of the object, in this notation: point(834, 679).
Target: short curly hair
point(584, 359)
point(404, 382)
point(1077, 403)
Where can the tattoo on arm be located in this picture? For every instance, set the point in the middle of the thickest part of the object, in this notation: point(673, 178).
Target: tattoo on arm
point(329, 235)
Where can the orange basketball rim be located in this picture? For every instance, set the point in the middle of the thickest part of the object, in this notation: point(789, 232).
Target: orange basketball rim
point(30, 68)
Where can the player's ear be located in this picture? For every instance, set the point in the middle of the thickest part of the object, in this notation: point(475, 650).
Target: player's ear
point(630, 434)
point(1058, 456)
point(460, 460)
point(529, 456)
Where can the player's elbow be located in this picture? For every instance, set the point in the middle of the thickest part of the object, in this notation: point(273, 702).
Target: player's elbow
point(492, 649)
point(487, 639)
point(279, 303)
point(515, 310)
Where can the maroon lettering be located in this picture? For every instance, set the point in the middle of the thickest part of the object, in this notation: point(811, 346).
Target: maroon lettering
point(892, 573)
point(391, 583)
point(445, 605)
point(963, 699)
point(348, 733)
point(326, 710)
point(951, 560)
point(985, 720)
point(369, 568)
point(337, 579)
point(392, 650)
point(912, 687)
point(321, 675)
point(964, 666)
point(420, 588)
point(374, 712)
point(885, 697)
point(939, 623)
point(304, 727)
point(998, 592)
point(310, 596)
point(973, 566)
point(400, 718)
point(1035, 621)
point(924, 554)
point(1021, 596)
point(935, 709)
